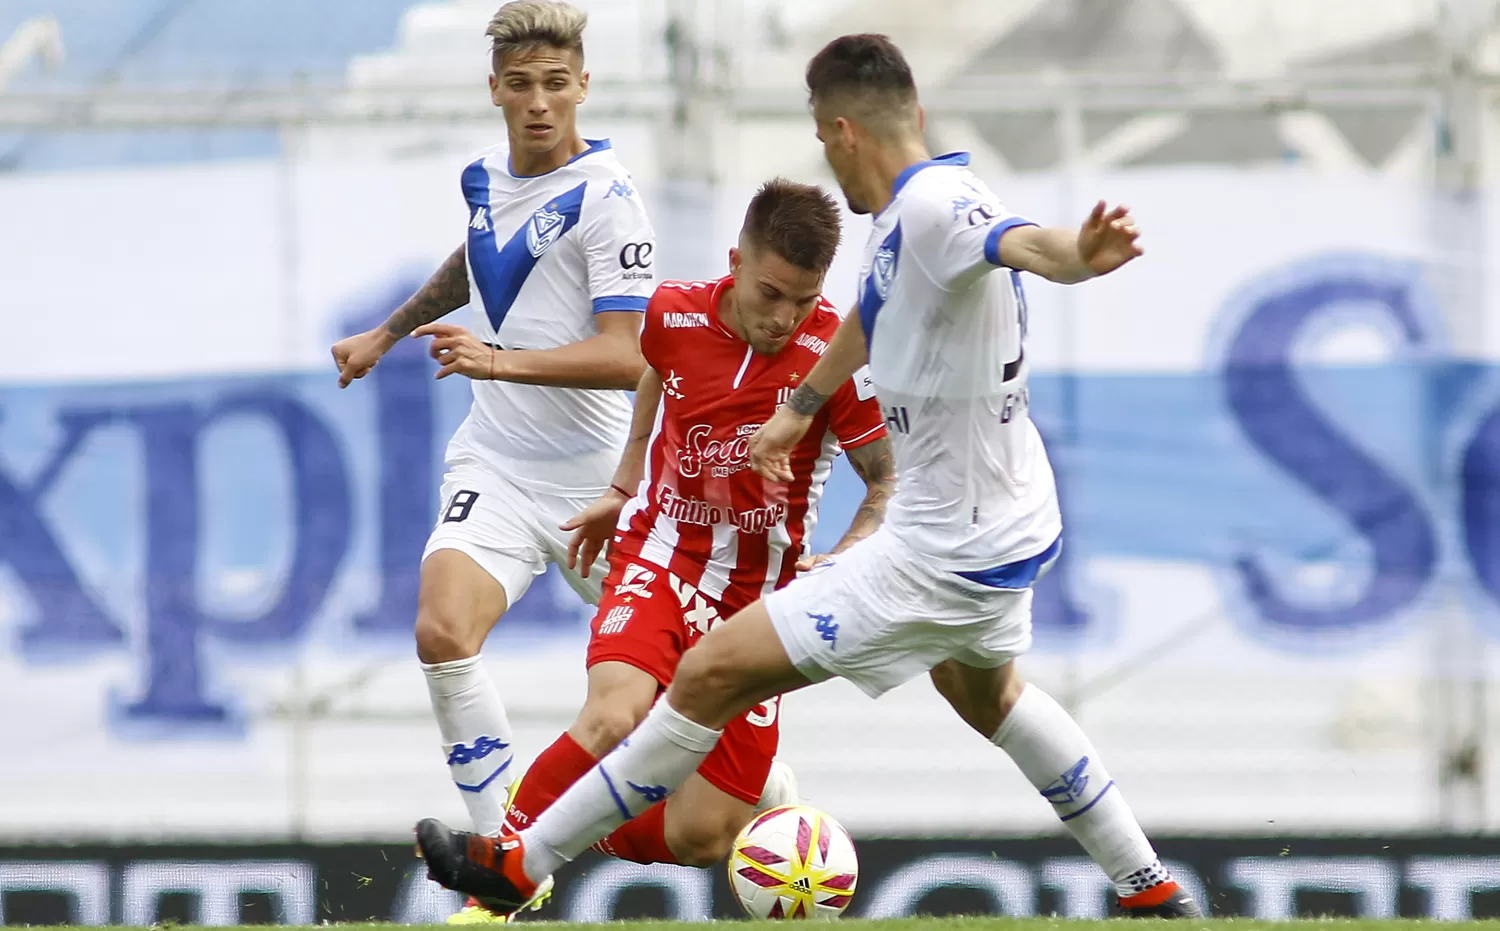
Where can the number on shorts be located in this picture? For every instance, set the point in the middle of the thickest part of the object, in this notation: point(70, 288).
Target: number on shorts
point(459, 506)
point(764, 714)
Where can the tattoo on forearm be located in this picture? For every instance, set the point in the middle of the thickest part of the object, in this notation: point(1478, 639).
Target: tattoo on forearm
point(805, 400)
point(446, 291)
point(876, 465)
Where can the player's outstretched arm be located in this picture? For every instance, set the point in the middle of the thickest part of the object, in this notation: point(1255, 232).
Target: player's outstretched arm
point(875, 464)
point(446, 291)
point(610, 358)
point(771, 446)
point(594, 525)
point(1107, 240)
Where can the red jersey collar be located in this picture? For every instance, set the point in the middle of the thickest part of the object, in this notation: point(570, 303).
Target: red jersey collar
point(727, 282)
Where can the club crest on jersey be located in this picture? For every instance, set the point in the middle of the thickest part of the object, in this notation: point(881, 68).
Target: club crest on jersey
point(545, 226)
point(883, 270)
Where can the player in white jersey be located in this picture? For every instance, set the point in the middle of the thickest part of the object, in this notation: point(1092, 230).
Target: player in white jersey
point(945, 584)
point(558, 268)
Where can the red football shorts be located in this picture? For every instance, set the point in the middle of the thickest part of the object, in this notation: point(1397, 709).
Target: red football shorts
point(648, 618)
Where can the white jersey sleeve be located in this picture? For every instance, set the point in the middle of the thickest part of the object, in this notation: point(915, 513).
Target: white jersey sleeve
point(956, 237)
point(619, 247)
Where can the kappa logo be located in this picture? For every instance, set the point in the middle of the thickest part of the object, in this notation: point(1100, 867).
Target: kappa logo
point(635, 580)
point(481, 219)
point(545, 226)
point(1069, 787)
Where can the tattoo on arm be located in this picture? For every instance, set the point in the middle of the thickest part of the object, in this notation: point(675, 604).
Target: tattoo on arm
point(875, 464)
point(446, 291)
point(806, 401)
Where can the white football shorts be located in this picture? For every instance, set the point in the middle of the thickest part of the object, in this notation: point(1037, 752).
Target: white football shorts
point(878, 614)
point(510, 531)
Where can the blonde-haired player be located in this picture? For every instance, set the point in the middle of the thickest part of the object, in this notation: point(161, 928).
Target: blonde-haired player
point(557, 263)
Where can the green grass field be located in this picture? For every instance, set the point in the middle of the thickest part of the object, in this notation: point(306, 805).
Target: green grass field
point(958, 924)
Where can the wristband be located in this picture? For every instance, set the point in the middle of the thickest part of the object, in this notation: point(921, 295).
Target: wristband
point(621, 490)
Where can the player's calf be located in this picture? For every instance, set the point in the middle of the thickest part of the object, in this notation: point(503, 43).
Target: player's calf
point(1052, 751)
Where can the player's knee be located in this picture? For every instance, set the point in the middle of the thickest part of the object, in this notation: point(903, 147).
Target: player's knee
point(443, 635)
point(707, 683)
point(601, 725)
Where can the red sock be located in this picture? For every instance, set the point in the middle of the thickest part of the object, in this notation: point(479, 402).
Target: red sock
point(641, 840)
point(558, 767)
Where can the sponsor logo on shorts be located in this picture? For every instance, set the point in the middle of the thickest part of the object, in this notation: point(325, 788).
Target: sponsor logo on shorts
point(826, 628)
point(616, 619)
point(697, 611)
point(635, 580)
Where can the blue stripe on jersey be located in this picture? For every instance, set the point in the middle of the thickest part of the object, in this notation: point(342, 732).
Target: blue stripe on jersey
point(875, 288)
point(992, 239)
point(1017, 575)
point(1015, 284)
point(958, 159)
point(500, 272)
point(620, 302)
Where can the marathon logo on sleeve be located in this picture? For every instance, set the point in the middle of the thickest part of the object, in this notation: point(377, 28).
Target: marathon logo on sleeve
point(812, 342)
point(675, 320)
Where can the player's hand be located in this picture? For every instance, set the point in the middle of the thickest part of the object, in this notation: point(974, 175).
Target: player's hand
point(771, 446)
point(592, 528)
point(1107, 239)
point(458, 351)
point(356, 355)
point(813, 560)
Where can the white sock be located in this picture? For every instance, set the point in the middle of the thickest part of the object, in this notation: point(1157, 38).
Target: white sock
point(476, 737)
point(1054, 753)
point(645, 768)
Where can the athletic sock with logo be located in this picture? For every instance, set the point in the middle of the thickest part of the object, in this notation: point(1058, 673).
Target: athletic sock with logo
point(1057, 757)
point(476, 737)
point(643, 770)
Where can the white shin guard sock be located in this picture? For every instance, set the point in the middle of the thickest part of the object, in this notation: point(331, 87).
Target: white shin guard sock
point(645, 768)
point(1057, 757)
point(476, 737)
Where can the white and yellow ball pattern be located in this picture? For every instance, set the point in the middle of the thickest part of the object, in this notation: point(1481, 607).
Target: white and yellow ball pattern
point(793, 862)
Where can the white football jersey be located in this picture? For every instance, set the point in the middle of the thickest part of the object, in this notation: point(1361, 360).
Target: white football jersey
point(546, 253)
point(945, 326)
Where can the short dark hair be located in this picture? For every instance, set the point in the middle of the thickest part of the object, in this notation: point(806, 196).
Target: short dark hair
point(867, 68)
point(799, 222)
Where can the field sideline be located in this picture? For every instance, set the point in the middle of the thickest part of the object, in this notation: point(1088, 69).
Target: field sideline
point(942, 924)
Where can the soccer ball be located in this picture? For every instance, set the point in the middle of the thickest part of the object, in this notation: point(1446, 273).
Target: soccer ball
point(793, 862)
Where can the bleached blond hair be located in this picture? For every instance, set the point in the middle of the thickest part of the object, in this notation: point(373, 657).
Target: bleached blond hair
point(526, 25)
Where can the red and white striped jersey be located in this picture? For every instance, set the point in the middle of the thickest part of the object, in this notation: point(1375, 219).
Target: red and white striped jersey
point(700, 511)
